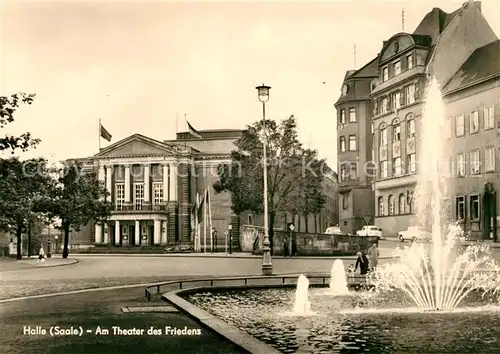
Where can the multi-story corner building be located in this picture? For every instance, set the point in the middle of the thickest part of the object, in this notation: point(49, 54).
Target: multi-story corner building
point(441, 46)
point(153, 186)
point(355, 155)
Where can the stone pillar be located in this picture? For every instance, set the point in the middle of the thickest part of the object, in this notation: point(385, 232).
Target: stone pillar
point(173, 182)
point(109, 179)
point(235, 233)
point(117, 233)
point(137, 235)
point(164, 239)
point(98, 233)
point(106, 233)
point(166, 189)
point(157, 232)
point(184, 203)
point(147, 186)
point(127, 185)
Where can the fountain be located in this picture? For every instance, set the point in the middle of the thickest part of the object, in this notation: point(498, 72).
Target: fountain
point(449, 289)
point(302, 306)
point(435, 277)
point(338, 280)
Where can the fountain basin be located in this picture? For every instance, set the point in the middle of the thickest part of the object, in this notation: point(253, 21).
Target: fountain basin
point(352, 323)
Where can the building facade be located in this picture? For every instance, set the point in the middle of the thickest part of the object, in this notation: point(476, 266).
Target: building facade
point(404, 65)
point(153, 186)
point(355, 149)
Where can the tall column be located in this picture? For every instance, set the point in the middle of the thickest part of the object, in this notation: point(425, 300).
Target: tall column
point(147, 188)
point(109, 178)
point(98, 234)
point(137, 235)
point(184, 235)
point(165, 183)
point(117, 233)
point(106, 229)
point(157, 232)
point(163, 233)
point(102, 176)
point(127, 185)
point(173, 181)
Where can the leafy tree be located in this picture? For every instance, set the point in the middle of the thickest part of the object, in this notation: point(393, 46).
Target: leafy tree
point(76, 199)
point(290, 169)
point(8, 106)
point(23, 187)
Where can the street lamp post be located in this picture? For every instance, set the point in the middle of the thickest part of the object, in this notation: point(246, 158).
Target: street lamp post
point(267, 265)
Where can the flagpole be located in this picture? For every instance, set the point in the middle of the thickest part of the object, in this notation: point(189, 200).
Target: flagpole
point(99, 135)
point(210, 219)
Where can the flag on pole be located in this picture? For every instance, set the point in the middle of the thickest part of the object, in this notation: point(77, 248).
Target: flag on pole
point(193, 131)
point(104, 133)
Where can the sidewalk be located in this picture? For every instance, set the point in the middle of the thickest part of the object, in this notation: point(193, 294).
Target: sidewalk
point(32, 262)
point(384, 253)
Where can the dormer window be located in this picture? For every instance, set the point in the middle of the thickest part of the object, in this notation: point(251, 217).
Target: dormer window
point(385, 74)
point(409, 61)
point(397, 68)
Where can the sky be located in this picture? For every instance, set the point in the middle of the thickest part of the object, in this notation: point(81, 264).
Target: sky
point(142, 66)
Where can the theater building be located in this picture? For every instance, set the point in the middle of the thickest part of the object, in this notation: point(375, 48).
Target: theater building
point(153, 186)
point(446, 46)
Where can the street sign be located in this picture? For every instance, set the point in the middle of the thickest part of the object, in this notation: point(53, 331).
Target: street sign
point(291, 227)
point(230, 227)
point(226, 232)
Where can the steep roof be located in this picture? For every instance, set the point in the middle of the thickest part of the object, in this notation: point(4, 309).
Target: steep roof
point(481, 64)
point(368, 70)
point(434, 23)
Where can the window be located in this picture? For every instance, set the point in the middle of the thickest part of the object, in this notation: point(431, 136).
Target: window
point(460, 165)
point(352, 114)
point(138, 195)
point(396, 100)
point(383, 169)
point(383, 136)
point(157, 193)
point(385, 74)
point(397, 68)
point(410, 94)
point(460, 208)
point(489, 159)
point(353, 172)
point(474, 207)
point(411, 128)
point(488, 118)
point(448, 128)
point(396, 164)
point(392, 205)
point(352, 143)
point(396, 132)
point(342, 144)
point(344, 172)
point(383, 108)
point(402, 203)
point(474, 122)
point(345, 201)
point(460, 125)
point(119, 195)
point(381, 207)
point(409, 61)
point(342, 116)
point(412, 163)
point(474, 162)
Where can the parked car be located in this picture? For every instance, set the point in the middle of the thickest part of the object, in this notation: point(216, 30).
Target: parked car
point(370, 230)
point(334, 230)
point(415, 234)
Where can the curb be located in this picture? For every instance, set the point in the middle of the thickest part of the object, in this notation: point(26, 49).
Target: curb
point(72, 262)
point(190, 255)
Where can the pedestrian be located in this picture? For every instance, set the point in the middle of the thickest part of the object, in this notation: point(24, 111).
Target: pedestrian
point(373, 253)
point(363, 263)
point(294, 247)
point(286, 241)
point(41, 254)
